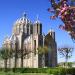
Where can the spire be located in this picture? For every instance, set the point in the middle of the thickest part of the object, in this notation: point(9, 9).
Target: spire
point(50, 30)
point(24, 14)
point(37, 17)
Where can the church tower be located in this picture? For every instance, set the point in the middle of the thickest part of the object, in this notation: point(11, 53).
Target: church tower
point(37, 27)
point(22, 28)
point(22, 25)
point(51, 56)
point(52, 33)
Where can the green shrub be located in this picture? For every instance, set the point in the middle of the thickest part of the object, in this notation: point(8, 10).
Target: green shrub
point(54, 71)
point(30, 70)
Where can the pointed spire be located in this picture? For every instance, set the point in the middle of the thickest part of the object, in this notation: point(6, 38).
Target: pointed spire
point(24, 14)
point(37, 17)
point(50, 30)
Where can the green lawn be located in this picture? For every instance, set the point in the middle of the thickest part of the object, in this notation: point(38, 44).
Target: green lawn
point(10, 73)
point(31, 74)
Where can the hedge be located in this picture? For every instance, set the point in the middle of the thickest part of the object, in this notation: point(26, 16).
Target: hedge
point(54, 71)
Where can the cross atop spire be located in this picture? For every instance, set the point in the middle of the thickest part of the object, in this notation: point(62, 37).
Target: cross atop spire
point(24, 14)
point(37, 20)
point(37, 17)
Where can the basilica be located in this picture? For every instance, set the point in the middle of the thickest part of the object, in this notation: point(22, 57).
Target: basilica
point(27, 37)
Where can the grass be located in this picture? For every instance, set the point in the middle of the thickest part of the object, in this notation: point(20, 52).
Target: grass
point(11, 73)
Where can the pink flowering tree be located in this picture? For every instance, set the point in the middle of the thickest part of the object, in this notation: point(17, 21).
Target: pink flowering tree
point(65, 10)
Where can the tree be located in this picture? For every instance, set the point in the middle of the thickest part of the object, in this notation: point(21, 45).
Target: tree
point(66, 52)
point(65, 10)
point(4, 53)
point(16, 54)
point(42, 51)
point(15, 49)
point(22, 50)
point(70, 64)
point(10, 56)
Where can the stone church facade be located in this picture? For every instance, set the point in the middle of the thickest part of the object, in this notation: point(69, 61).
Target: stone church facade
point(27, 36)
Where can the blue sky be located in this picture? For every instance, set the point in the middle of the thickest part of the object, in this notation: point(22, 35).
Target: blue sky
point(11, 10)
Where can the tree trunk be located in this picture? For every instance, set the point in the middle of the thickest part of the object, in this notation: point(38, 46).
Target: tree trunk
point(5, 62)
point(22, 50)
point(66, 60)
point(22, 55)
point(9, 62)
point(22, 58)
point(43, 60)
point(16, 56)
point(15, 59)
